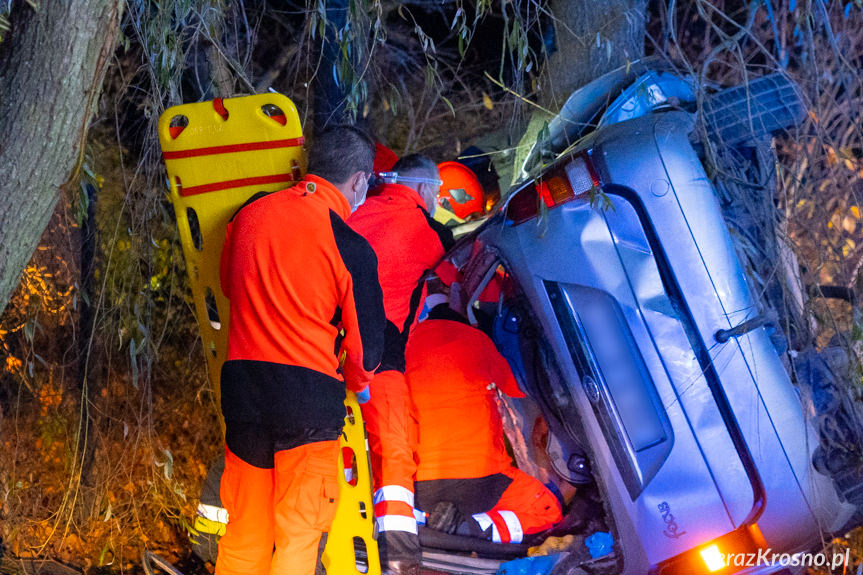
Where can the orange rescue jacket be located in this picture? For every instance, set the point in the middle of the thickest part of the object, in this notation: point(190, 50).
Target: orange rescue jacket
point(295, 273)
point(450, 369)
point(408, 242)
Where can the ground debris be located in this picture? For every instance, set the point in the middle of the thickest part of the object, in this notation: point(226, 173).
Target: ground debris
point(26, 566)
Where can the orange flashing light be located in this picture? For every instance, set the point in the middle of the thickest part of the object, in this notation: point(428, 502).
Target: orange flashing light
point(555, 190)
point(715, 556)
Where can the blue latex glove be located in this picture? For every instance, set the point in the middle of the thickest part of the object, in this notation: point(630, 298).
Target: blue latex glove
point(530, 565)
point(364, 396)
point(599, 544)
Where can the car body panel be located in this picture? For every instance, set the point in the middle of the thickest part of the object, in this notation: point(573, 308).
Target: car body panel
point(765, 402)
point(686, 484)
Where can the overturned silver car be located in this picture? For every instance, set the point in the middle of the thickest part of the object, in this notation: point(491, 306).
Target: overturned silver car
point(664, 371)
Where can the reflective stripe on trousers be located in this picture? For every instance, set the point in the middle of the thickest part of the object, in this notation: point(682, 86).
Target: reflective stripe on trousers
point(394, 493)
point(394, 509)
point(397, 523)
point(213, 513)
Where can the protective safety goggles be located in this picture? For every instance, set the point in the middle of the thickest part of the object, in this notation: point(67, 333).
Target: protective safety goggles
point(396, 178)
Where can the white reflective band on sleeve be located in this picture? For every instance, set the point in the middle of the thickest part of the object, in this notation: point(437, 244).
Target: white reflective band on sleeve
point(516, 533)
point(397, 523)
point(394, 493)
point(213, 513)
point(420, 517)
point(484, 521)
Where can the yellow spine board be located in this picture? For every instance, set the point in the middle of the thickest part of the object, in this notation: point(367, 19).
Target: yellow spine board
point(354, 523)
point(219, 154)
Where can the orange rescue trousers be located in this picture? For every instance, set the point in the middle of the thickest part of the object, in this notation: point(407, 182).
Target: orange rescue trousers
point(526, 507)
point(503, 508)
point(389, 424)
point(286, 508)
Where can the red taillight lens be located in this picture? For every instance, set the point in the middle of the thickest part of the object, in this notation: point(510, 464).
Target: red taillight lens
point(561, 184)
point(717, 556)
point(523, 206)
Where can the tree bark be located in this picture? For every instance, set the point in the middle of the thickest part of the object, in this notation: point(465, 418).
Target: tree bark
point(51, 69)
point(592, 38)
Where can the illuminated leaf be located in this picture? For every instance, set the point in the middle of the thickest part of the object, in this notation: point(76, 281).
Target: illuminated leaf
point(486, 101)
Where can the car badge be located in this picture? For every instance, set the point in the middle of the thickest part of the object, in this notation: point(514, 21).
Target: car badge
point(310, 187)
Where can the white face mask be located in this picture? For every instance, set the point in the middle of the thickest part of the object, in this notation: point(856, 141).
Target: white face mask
point(362, 198)
point(429, 195)
point(359, 203)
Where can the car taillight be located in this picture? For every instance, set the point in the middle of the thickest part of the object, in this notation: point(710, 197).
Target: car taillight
point(582, 175)
point(561, 184)
point(723, 555)
point(713, 558)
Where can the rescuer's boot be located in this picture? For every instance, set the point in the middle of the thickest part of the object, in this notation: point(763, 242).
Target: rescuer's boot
point(399, 552)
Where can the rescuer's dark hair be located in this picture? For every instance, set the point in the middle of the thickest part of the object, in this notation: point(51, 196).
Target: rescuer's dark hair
point(416, 165)
point(339, 152)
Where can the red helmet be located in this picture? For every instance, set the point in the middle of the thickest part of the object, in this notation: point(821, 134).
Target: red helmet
point(385, 158)
point(384, 161)
point(461, 193)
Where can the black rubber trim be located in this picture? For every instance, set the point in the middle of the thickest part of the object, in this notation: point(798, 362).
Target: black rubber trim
point(431, 539)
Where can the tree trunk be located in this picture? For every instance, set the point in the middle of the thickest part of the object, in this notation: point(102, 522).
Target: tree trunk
point(329, 97)
point(51, 68)
point(592, 38)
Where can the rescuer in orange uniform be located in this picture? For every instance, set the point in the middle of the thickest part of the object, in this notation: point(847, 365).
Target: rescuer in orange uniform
point(397, 223)
point(295, 273)
point(453, 373)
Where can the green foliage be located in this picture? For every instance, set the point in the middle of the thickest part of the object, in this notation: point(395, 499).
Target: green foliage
point(4, 25)
point(366, 56)
point(163, 30)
